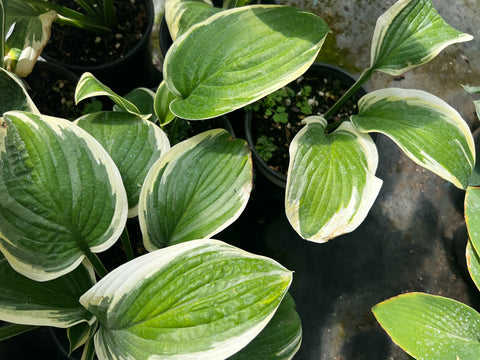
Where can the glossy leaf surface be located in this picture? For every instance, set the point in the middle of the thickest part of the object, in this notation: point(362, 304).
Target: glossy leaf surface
point(180, 15)
point(331, 183)
point(427, 129)
point(133, 143)
point(30, 33)
point(410, 34)
point(18, 98)
point(195, 190)
point(61, 195)
point(201, 299)
point(431, 327)
point(143, 99)
point(241, 55)
point(50, 303)
point(89, 86)
point(280, 339)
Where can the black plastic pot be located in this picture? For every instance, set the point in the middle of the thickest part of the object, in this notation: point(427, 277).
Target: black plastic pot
point(317, 69)
point(133, 70)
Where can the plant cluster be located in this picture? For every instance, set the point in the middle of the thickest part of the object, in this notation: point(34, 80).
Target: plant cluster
point(68, 188)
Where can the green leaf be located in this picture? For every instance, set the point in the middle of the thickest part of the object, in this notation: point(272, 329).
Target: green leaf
point(431, 327)
point(473, 263)
point(79, 334)
point(474, 90)
point(163, 98)
point(426, 128)
point(30, 33)
point(143, 99)
point(331, 183)
point(18, 98)
point(472, 215)
point(280, 339)
point(133, 143)
point(10, 330)
point(195, 190)
point(180, 15)
point(88, 86)
point(410, 34)
point(50, 303)
point(201, 299)
point(241, 55)
point(61, 195)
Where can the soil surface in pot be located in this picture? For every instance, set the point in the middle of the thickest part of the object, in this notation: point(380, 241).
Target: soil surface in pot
point(69, 44)
point(311, 94)
point(53, 94)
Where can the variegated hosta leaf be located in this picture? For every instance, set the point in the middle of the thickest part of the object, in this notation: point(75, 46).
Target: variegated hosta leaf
point(61, 195)
point(331, 183)
point(79, 334)
point(410, 34)
point(30, 26)
point(89, 86)
point(280, 339)
point(143, 98)
point(195, 190)
point(133, 143)
point(473, 263)
point(180, 15)
point(18, 98)
point(50, 303)
point(474, 90)
point(431, 327)
point(163, 98)
point(241, 55)
point(472, 215)
point(202, 299)
point(427, 129)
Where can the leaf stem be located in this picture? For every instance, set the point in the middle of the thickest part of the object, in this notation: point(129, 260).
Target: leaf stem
point(125, 238)
point(366, 75)
point(11, 330)
point(96, 262)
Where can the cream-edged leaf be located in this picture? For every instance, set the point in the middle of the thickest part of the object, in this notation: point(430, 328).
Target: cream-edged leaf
point(195, 190)
point(410, 34)
point(241, 55)
point(201, 299)
point(133, 143)
point(18, 98)
point(49, 303)
point(473, 263)
point(431, 327)
point(331, 183)
point(426, 128)
point(61, 195)
point(163, 98)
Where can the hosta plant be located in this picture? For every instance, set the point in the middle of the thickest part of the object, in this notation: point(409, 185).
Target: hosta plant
point(436, 327)
point(29, 25)
point(67, 189)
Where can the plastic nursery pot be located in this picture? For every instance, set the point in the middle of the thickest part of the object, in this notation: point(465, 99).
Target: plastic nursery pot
point(316, 74)
point(52, 89)
point(123, 74)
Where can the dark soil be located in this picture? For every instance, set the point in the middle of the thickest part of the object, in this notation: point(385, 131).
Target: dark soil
point(75, 46)
point(325, 92)
point(53, 94)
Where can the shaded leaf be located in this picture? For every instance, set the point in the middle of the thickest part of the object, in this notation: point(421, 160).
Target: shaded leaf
point(79, 334)
point(427, 129)
point(163, 98)
point(195, 190)
point(18, 98)
point(133, 143)
point(473, 263)
point(50, 303)
point(331, 183)
point(201, 299)
point(143, 99)
point(280, 339)
point(242, 55)
point(431, 327)
point(472, 215)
